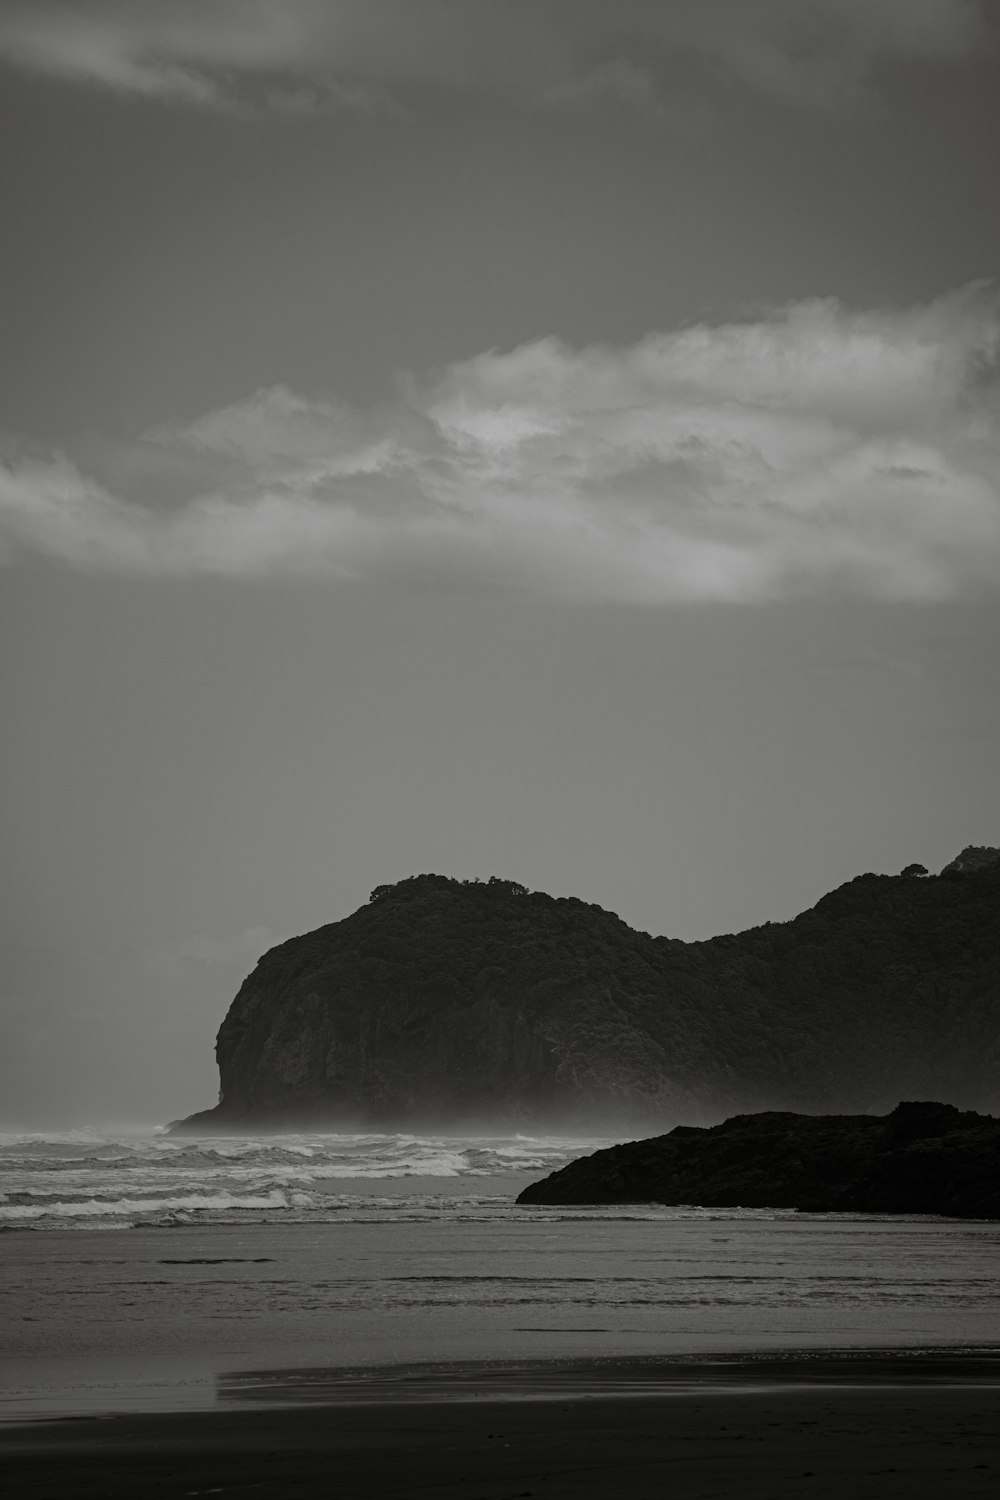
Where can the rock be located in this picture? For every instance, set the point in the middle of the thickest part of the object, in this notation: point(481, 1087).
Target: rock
point(973, 857)
point(921, 1158)
point(480, 1002)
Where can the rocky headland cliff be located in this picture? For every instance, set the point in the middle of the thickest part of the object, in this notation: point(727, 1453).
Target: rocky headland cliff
point(921, 1158)
point(449, 1001)
point(443, 1001)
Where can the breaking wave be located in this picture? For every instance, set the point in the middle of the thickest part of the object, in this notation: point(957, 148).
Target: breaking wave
point(86, 1178)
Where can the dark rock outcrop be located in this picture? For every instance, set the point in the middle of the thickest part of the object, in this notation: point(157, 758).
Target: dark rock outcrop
point(921, 1158)
point(445, 1000)
point(973, 857)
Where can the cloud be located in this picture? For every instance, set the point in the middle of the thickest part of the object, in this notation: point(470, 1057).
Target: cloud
point(305, 54)
point(810, 450)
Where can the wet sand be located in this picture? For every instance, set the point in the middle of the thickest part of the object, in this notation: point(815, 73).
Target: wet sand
point(878, 1429)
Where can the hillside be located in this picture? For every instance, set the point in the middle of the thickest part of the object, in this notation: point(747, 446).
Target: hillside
point(921, 1158)
point(442, 1000)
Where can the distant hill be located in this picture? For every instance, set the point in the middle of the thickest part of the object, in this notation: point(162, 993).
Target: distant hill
point(921, 1158)
point(452, 1001)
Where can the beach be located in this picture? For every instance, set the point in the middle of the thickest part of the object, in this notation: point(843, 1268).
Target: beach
point(779, 1434)
point(377, 1316)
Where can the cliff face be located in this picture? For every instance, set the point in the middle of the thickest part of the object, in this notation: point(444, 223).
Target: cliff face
point(450, 1001)
point(922, 1158)
point(973, 857)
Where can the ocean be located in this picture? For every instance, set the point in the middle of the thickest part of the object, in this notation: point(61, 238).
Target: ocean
point(140, 1270)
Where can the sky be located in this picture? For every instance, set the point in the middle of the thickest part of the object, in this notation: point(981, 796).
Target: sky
point(557, 439)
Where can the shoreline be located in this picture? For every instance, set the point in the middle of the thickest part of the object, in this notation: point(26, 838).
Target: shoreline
point(295, 1385)
point(882, 1425)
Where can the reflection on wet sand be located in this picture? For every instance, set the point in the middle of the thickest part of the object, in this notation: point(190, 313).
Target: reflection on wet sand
point(563, 1379)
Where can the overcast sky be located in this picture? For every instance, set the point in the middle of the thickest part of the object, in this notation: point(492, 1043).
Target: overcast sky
point(549, 438)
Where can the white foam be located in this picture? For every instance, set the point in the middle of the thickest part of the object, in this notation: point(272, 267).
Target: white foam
point(124, 1207)
point(80, 1176)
